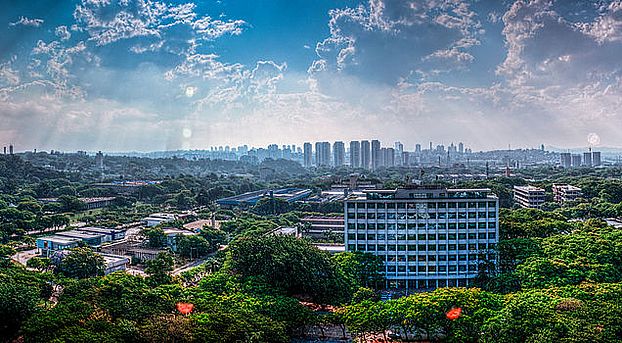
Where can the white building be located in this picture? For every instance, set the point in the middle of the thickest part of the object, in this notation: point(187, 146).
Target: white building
point(563, 193)
point(159, 218)
point(529, 196)
point(428, 237)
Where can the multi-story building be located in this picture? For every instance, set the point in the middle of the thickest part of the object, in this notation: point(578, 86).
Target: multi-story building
point(339, 154)
point(365, 155)
point(355, 154)
point(427, 236)
point(307, 155)
point(575, 160)
point(596, 158)
point(563, 193)
point(587, 159)
point(565, 159)
point(322, 154)
point(529, 196)
point(376, 158)
point(388, 157)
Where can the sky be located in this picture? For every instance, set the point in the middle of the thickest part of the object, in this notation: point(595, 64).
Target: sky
point(123, 75)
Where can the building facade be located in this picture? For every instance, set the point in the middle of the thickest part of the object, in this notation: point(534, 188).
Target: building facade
point(322, 154)
point(375, 154)
point(355, 154)
point(339, 154)
point(529, 196)
point(307, 155)
point(365, 155)
point(564, 193)
point(428, 237)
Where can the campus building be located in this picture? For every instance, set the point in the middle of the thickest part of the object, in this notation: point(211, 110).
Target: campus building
point(564, 193)
point(428, 236)
point(529, 196)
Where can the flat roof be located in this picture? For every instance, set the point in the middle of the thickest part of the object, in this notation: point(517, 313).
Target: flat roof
point(59, 239)
point(99, 230)
point(529, 188)
point(76, 233)
point(288, 194)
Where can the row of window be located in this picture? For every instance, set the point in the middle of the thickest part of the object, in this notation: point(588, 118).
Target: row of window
point(426, 284)
point(430, 205)
point(422, 216)
point(432, 269)
point(422, 226)
point(422, 236)
point(440, 258)
point(420, 247)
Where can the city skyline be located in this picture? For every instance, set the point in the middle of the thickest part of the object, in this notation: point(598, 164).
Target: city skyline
point(149, 76)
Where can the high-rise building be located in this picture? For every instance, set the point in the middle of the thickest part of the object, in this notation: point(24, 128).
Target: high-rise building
point(307, 155)
point(417, 148)
point(355, 154)
point(99, 160)
point(339, 154)
point(596, 158)
point(365, 155)
point(428, 237)
point(587, 159)
point(565, 160)
point(11, 149)
point(529, 196)
point(389, 157)
point(575, 160)
point(461, 148)
point(375, 154)
point(399, 149)
point(322, 154)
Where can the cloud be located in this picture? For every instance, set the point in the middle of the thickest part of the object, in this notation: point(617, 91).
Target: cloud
point(24, 21)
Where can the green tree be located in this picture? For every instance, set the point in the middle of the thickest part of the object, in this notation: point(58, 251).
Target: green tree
point(192, 246)
point(363, 267)
point(81, 263)
point(155, 236)
point(159, 268)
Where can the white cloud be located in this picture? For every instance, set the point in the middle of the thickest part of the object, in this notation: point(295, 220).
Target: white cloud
point(24, 21)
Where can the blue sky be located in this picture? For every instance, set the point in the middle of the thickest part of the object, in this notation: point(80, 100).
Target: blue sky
point(120, 75)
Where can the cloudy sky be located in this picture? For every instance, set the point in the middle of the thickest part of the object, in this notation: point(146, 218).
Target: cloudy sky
point(120, 75)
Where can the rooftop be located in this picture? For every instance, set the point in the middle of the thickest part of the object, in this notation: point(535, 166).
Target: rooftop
point(251, 198)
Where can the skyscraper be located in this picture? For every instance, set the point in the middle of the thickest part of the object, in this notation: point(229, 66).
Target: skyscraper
point(461, 147)
point(417, 148)
point(322, 154)
point(339, 154)
point(365, 155)
point(389, 157)
point(307, 153)
point(375, 154)
point(587, 159)
point(565, 159)
point(596, 158)
point(355, 154)
point(399, 149)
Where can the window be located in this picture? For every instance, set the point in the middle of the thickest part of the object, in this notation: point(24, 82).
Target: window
point(390, 215)
point(381, 216)
point(481, 225)
point(462, 268)
point(432, 258)
point(412, 247)
point(492, 235)
point(452, 268)
point(431, 205)
point(462, 257)
point(442, 269)
point(452, 257)
point(442, 205)
point(391, 247)
point(421, 258)
point(492, 204)
point(462, 236)
point(452, 236)
point(473, 235)
point(371, 226)
point(442, 247)
point(432, 269)
point(391, 269)
point(461, 225)
point(401, 247)
point(472, 225)
point(401, 237)
point(381, 226)
point(421, 237)
point(371, 216)
point(421, 269)
point(492, 225)
point(381, 247)
point(412, 269)
point(391, 237)
point(381, 236)
point(492, 214)
point(360, 247)
point(472, 215)
point(451, 226)
point(431, 247)
point(350, 205)
point(442, 226)
point(451, 216)
point(351, 247)
point(351, 226)
point(431, 236)
point(371, 237)
point(462, 205)
point(412, 237)
point(421, 247)
point(442, 236)
point(462, 215)
point(351, 236)
point(451, 247)
point(351, 215)
point(481, 204)
point(462, 247)
point(451, 205)
point(401, 269)
point(442, 258)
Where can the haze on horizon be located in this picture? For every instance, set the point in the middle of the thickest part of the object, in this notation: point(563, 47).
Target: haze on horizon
point(123, 75)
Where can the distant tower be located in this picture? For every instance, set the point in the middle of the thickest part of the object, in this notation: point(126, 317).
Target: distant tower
point(5, 150)
point(11, 149)
point(487, 170)
point(99, 160)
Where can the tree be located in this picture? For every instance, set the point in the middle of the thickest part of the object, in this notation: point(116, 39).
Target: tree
point(160, 267)
point(363, 267)
point(81, 263)
point(155, 236)
point(192, 246)
point(214, 237)
point(17, 302)
point(42, 264)
point(290, 264)
point(71, 203)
